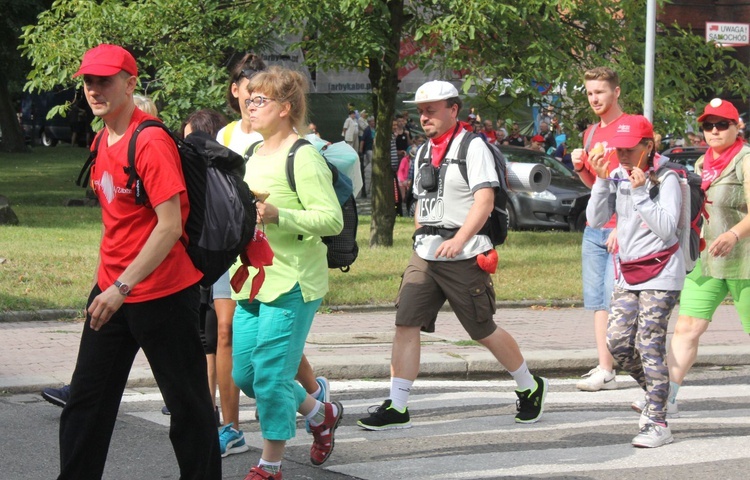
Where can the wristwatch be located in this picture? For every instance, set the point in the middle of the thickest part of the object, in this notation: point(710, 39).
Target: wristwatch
point(122, 288)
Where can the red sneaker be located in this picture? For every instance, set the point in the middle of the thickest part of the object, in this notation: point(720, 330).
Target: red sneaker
point(257, 473)
point(323, 434)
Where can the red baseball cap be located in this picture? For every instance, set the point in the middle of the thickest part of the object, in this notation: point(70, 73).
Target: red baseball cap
point(720, 108)
point(630, 131)
point(107, 60)
point(537, 138)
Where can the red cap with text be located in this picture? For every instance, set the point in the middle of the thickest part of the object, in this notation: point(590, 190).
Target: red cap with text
point(107, 60)
point(720, 108)
point(631, 131)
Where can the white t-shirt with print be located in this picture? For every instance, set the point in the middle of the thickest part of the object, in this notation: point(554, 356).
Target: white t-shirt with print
point(449, 204)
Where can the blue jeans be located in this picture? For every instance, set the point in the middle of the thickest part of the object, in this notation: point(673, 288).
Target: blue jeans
point(598, 269)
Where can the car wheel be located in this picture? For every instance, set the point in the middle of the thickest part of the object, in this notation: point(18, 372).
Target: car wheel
point(48, 140)
point(512, 222)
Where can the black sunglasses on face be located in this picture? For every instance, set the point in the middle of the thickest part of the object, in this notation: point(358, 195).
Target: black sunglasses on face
point(720, 126)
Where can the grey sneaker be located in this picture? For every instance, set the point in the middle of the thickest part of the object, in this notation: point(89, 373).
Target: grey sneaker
point(653, 435)
point(597, 379)
point(672, 410)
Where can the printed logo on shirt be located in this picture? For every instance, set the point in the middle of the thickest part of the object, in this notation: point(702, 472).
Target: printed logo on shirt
point(108, 188)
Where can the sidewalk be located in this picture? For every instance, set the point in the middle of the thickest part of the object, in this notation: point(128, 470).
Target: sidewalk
point(357, 344)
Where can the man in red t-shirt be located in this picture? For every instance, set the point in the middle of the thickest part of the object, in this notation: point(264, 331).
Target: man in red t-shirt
point(603, 91)
point(145, 292)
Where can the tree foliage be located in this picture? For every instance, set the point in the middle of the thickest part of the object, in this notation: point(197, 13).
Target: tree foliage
point(497, 48)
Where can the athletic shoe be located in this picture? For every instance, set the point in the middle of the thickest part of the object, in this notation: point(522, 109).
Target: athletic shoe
point(165, 410)
point(231, 441)
point(653, 435)
point(257, 473)
point(385, 417)
point(530, 403)
point(672, 409)
point(57, 396)
point(323, 434)
point(324, 396)
point(597, 379)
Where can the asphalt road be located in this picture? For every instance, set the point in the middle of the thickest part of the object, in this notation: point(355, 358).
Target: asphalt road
point(462, 429)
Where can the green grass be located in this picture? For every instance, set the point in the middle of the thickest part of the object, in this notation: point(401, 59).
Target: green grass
point(50, 257)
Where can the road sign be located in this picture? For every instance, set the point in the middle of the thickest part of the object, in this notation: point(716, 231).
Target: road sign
point(728, 34)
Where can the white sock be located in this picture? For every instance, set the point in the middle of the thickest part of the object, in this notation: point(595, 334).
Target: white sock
point(270, 467)
point(318, 414)
point(316, 392)
point(523, 378)
point(400, 389)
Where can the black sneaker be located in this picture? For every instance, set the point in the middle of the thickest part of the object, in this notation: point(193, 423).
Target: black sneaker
point(530, 403)
point(57, 396)
point(385, 417)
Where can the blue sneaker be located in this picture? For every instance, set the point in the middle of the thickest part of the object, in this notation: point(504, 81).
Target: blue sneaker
point(231, 441)
point(57, 396)
point(324, 397)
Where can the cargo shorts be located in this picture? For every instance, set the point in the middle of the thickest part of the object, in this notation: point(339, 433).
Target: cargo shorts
point(426, 285)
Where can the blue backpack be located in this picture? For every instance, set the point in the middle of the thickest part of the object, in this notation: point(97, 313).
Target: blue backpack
point(342, 248)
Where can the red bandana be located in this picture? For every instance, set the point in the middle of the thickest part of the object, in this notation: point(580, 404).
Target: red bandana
point(712, 167)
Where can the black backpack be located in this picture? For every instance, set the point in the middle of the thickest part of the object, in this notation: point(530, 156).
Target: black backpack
point(222, 214)
point(496, 226)
point(342, 248)
point(691, 244)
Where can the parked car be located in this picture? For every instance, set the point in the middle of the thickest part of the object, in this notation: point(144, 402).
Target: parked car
point(562, 205)
point(685, 155)
point(38, 129)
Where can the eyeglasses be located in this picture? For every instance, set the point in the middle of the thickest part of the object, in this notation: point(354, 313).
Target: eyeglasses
point(720, 126)
point(259, 101)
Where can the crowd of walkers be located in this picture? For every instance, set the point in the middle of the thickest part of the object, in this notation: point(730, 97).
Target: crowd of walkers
point(146, 294)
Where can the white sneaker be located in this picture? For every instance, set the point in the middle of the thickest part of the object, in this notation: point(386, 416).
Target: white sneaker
point(597, 379)
point(672, 410)
point(653, 435)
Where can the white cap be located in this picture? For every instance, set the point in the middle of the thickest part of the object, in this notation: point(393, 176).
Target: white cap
point(433, 91)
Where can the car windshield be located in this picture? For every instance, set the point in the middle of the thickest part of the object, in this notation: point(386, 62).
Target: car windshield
point(556, 168)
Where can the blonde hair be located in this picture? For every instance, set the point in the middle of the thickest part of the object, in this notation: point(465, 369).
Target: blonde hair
point(145, 104)
point(284, 86)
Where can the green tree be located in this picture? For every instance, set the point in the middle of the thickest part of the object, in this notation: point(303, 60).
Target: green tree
point(495, 48)
point(16, 14)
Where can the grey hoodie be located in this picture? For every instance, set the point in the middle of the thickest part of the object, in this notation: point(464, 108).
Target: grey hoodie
point(644, 226)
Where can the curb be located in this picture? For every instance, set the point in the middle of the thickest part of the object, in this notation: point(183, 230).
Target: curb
point(474, 365)
point(64, 314)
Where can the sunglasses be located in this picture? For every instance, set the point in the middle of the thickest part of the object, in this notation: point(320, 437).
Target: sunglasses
point(720, 126)
point(246, 73)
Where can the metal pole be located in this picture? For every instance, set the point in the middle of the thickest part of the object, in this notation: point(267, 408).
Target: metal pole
point(648, 87)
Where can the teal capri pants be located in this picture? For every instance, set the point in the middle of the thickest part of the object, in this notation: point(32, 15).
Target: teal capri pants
point(267, 344)
point(701, 296)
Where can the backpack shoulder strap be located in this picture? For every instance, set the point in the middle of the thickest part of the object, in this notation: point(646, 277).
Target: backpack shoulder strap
point(85, 174)
point(463, 152)
point(422, 154)
point(134, 181)
point(590, 137)
point(661, 173)
point(290, 162)
point(228, 131)
point(250, 150)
